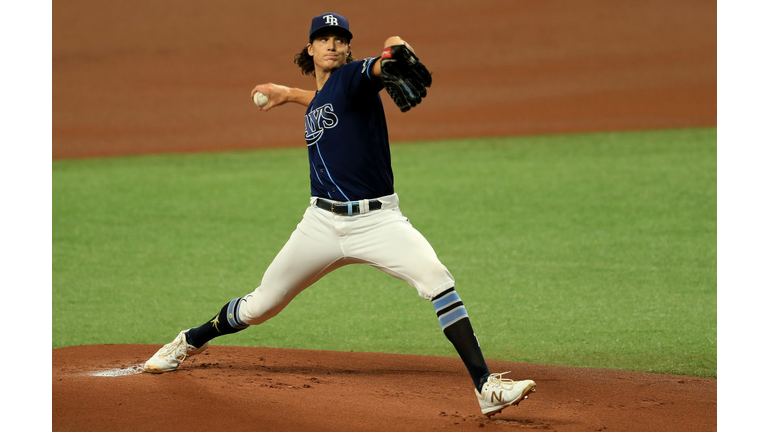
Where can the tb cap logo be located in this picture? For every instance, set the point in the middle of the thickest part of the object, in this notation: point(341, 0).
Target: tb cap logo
point(331, 20)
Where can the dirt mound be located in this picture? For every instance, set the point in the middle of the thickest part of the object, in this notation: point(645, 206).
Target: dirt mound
point(101, 387)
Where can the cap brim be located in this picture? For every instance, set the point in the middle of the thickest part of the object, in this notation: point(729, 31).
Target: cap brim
point(341, 30)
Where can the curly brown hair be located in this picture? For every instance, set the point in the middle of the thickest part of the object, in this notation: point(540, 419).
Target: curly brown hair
point(307, 65)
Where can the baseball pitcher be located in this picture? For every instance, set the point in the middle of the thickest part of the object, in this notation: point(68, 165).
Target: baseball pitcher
point(353, 215)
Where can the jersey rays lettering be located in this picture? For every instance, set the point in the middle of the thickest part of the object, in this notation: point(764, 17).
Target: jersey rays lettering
point(317, 121)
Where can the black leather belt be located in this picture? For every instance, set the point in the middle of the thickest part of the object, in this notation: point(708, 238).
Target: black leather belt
point(346, 208)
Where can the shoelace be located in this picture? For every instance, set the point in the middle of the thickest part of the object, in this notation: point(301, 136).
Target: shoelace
point(171, 349)
point(496, 379)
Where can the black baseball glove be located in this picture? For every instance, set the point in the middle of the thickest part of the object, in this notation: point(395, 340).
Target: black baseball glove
point(404, 76)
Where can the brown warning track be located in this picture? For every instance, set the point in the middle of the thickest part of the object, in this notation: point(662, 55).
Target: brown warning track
point(297, 390)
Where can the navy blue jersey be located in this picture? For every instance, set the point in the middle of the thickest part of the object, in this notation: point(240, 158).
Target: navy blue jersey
point(347, 138)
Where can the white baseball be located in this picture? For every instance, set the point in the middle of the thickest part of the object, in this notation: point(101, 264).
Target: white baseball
point(260, 99)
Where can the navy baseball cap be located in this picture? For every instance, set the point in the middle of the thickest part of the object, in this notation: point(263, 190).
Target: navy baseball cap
point(329, 20)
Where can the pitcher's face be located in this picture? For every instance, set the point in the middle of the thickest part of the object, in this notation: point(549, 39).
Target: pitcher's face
point(329, 50)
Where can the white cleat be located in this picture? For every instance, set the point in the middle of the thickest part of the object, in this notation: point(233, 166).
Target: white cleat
point(169, 357)
point(499, 393)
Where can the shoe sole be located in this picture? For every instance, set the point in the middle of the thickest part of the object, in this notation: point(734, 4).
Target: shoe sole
point(157, 371)
point(531, 388)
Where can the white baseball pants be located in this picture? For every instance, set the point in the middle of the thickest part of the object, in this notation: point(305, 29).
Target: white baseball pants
point(323, 242)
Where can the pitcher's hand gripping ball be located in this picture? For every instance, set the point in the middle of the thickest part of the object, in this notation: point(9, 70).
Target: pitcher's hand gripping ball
point(260, 99)
point(404, 76)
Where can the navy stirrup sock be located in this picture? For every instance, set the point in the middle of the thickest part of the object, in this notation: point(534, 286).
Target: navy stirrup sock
point(227, 321)
point(457, 328)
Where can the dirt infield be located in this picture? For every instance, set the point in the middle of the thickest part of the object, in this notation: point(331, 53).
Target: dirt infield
point(174, 76)
point(265, 389)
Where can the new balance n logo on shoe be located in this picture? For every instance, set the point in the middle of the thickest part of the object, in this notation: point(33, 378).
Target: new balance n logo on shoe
point(495, 396)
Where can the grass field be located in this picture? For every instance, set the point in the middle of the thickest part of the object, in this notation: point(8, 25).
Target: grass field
point(596, 250)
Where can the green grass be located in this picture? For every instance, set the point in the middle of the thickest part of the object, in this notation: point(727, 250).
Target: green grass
point(594, 250)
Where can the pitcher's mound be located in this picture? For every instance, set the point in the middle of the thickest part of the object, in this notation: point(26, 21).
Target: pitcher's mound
point(102, 387)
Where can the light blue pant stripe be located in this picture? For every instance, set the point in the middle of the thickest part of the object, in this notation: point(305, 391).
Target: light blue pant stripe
point(447, 300)
point(232, 314)
point(453, 316)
